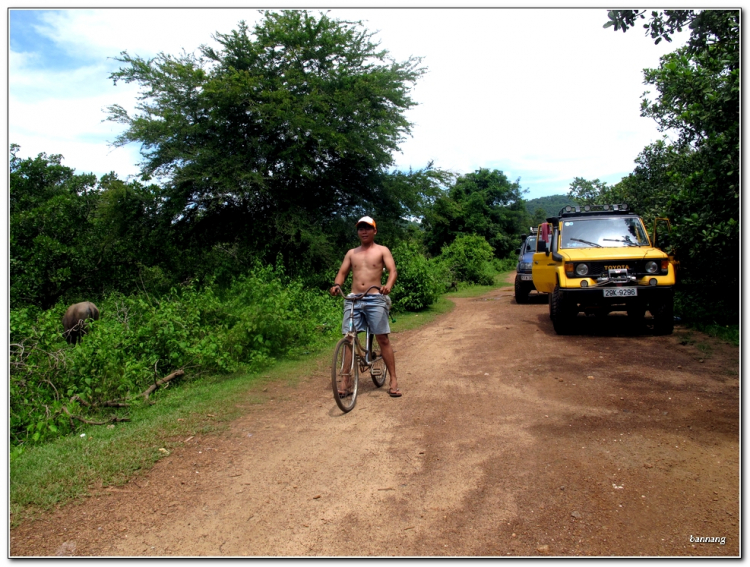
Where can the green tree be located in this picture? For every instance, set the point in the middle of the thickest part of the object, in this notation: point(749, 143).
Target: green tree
point(696, 178)
point(585, 192)
point(485, 203)
point(50, 240)
point(540, 215)
point(74, 238)
point(271, 139)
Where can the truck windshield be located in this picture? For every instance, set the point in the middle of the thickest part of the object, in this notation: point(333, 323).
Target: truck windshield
point(609, 232)
point(531, 244)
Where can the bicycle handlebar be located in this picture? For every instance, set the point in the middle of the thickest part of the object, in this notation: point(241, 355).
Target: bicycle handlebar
point(359, 295)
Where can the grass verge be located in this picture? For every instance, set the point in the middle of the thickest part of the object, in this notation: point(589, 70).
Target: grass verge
point(71, 467)
point(727, 333)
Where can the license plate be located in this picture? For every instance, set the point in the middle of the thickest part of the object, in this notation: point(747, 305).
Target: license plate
point(621, 292)
point(525, 277)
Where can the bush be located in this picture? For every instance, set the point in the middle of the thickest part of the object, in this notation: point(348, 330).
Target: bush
point(506, 264)
point(468, 259)
point(418, 285)
point(138, 339)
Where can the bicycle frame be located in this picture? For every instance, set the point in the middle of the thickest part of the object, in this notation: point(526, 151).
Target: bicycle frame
point(363, 354)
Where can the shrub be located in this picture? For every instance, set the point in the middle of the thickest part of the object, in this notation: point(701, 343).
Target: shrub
point(418, 285)
point(138, 339)
point(468, 259)
point(506, 264)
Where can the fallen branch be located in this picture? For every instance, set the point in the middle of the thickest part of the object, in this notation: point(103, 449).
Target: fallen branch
point(109, 404)
point(113, 419)
point(161, 382)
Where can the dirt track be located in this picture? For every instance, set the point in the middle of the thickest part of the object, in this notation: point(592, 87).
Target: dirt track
point(509, 440)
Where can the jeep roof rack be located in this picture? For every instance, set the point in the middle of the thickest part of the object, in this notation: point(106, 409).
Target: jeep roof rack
point(618, 208)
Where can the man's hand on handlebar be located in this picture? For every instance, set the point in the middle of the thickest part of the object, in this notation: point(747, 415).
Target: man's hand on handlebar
point(336, 290)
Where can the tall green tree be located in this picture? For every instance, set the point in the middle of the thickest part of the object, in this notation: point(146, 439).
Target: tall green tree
point(270, 139)
point(74, 237)
point(485, 203)
point(695, 179)
point(50, 241)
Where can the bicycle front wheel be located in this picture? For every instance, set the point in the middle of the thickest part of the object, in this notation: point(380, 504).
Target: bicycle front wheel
point(345, 376)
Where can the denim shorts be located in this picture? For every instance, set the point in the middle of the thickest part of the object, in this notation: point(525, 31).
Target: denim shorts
point(372, 309)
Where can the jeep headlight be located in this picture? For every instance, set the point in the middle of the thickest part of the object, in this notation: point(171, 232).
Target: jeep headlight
point(652, 267)
point(582, 270)
point(524, 265)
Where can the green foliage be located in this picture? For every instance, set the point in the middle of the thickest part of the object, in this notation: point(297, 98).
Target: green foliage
point(419, 281)
point(50, 208)
point(138, 339)
point(73, 237)
point(695, 180)
point(467, 259)
point(585, 192)
point(505, 264)
point(485, 203)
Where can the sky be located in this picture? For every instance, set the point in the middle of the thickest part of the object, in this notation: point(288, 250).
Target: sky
point(543, 94)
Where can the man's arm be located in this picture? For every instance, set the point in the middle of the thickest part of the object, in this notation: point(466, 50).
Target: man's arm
point(340, 278)
point(390, 265)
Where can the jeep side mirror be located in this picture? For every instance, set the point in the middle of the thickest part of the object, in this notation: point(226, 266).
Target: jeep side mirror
point(543, 248)
point(518, 250)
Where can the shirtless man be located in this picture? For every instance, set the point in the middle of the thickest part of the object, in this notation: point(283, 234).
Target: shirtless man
point(366, 262)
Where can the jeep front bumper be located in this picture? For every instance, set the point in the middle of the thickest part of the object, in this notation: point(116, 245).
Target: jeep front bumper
point(599, 296)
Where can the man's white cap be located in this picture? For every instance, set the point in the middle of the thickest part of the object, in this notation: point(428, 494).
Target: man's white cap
point(367, 220)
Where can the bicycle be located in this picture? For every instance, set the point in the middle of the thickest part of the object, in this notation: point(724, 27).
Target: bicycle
point(350, 358)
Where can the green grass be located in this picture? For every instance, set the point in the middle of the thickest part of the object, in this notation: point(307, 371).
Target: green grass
point(727, 333)
point(72, 467)
point(477, 290)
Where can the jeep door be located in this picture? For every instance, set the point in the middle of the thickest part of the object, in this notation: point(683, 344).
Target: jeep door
point(543, 267)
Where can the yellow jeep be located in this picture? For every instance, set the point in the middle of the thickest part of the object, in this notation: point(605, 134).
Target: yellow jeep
point(598, 259)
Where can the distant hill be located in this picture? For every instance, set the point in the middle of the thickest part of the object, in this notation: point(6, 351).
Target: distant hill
point(551, 204)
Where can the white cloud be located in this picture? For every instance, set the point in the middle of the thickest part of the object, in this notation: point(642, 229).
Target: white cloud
point(539, 93)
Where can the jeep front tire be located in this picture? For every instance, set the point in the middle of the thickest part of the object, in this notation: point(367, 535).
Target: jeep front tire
point(522, 290)
point(663, 314)
point(561, 315)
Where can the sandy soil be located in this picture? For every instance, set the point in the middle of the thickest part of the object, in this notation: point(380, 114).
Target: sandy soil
point(509, 440)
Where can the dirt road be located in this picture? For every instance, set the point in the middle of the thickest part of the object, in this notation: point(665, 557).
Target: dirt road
point(509, 440)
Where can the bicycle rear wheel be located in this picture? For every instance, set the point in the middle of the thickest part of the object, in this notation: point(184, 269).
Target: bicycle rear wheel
point(378, 369)
point(344, 376)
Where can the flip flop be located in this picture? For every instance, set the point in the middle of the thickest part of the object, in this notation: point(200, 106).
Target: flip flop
point(394, 393)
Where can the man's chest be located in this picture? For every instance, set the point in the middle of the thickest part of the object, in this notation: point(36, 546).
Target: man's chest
point(369, 259)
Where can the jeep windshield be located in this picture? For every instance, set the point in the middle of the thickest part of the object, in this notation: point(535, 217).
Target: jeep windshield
point(531, 244)
point(612, 232)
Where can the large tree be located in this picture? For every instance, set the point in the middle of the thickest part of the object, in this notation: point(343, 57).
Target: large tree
point(274, 136)
point(695, 178)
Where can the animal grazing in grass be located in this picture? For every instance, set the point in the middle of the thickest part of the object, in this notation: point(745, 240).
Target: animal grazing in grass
point(74, 320)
